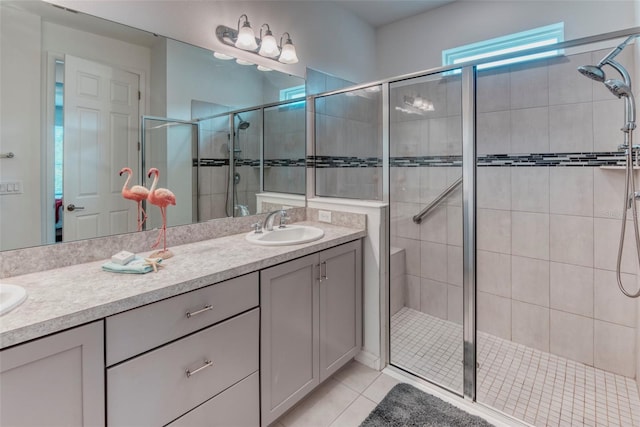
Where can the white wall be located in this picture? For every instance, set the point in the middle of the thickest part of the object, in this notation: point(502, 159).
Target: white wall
point(416, 43)
point(327, 37)
point(20, 128)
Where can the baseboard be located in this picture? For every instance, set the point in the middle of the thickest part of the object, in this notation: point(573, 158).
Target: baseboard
point(369, 359)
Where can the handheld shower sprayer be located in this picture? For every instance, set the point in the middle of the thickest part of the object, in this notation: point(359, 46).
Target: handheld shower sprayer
point(622, 89)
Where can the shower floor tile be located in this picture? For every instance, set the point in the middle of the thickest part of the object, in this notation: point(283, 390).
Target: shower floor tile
point(540, 388)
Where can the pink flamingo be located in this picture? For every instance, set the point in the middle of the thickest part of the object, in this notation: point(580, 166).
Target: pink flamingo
point(162, 198)
point(137, 193)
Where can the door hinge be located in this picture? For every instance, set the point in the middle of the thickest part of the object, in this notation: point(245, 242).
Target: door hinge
point(139, 95)
point(138, 145)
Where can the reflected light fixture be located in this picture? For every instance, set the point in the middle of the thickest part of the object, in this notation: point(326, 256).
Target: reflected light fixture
point(222, 56)
point(266, 46)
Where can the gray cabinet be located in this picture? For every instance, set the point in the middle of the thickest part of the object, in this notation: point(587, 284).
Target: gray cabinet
point(311, 312)
point(189, 354)
point(55, 381)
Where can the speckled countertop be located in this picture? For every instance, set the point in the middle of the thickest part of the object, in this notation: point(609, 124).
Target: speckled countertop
point(71, 296)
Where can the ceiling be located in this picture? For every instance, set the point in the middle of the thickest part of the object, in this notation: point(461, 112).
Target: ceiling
point(382, 12)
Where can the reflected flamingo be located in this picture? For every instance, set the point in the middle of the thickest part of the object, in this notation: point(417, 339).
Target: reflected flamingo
point(137, 193)
point(162, 198)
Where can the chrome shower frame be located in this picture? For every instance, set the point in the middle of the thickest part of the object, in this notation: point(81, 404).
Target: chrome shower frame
point(469, 167)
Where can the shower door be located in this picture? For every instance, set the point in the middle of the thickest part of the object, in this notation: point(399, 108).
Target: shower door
point(426, 265)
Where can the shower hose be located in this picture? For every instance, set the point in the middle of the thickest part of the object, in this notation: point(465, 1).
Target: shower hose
point(629, 202)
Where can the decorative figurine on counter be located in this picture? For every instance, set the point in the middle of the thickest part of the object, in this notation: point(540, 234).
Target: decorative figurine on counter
point(162, 198)
point(137, 193)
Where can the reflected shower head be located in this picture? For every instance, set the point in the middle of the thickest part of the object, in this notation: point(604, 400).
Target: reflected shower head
point(618, 88)
point(594, 72)
point(242, 124)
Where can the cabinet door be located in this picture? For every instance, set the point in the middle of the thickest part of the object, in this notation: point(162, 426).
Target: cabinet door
point(340, 306)
point(289, 334)
point(55, 381)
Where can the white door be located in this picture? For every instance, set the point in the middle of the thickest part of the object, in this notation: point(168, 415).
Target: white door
point(100, 138)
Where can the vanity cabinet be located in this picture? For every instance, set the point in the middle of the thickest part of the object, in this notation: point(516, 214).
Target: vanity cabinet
point(311, 311)
point(54, 381)
point(194, 353)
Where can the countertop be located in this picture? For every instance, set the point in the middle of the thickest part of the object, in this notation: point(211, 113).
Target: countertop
point(71, 296)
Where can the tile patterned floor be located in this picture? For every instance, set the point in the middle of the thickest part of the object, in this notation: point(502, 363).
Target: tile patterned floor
point(539, 388)
point(344, 400)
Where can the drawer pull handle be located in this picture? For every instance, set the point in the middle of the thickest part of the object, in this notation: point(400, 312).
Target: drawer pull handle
point(202, 310)
point(324, 276)
point(207, 363)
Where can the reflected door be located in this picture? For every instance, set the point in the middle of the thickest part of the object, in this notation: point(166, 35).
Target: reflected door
point(426, 266)
point(101, 137)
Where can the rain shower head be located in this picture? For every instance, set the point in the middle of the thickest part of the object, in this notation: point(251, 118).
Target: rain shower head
point(242, 124)
point(594, 72)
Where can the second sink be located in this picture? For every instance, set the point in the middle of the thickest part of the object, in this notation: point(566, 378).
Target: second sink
point(11, 296)
point(290, 235)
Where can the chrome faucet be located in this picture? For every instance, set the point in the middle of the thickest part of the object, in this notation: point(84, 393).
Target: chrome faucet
point(268, 221)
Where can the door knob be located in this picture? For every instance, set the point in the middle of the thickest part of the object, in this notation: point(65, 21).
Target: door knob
point(71, 207)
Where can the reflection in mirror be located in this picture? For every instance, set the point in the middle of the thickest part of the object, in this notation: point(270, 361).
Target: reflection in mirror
point(73, 90)
point(170, 145)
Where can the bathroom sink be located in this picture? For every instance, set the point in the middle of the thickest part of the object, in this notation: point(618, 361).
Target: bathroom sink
point(290, 235)
point(11, 296)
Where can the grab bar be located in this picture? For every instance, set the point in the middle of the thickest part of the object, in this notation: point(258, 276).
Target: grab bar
point(424, 212)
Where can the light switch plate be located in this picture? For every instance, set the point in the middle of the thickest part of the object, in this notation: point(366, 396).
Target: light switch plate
point(324, 216)
point(11, 187)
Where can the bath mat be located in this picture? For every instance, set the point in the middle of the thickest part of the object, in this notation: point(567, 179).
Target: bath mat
point(405, 405)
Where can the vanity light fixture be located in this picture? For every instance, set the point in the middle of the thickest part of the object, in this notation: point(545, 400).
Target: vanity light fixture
point(288, 55)
point(246, 39)
point(266, 46)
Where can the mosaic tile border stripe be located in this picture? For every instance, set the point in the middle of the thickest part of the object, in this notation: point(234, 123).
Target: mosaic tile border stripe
point(204, 162)
point(592, 159)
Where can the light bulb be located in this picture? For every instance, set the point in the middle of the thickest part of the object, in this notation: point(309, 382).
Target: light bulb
point(243, 62)
point(269, 46)
point(263, 68)
point(288, 55)
point(246, 38)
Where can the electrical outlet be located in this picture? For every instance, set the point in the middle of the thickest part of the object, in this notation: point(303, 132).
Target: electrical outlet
point(324, 216)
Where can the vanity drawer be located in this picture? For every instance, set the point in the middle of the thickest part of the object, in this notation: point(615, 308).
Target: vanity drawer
point(238, 407)
point(155, 389)
point(136, 331)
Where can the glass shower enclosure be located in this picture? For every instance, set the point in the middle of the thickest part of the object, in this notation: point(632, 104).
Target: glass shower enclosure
point(505, 190)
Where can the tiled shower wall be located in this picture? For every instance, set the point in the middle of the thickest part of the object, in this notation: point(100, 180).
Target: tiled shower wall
point(547, 231)
point(348, 145)
point(284, 149)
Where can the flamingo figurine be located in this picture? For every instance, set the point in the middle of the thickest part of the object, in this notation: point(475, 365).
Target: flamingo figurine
point(162, 198)
point(137, 193)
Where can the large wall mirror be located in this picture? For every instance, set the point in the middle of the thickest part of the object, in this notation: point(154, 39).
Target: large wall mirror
point(82, 98)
